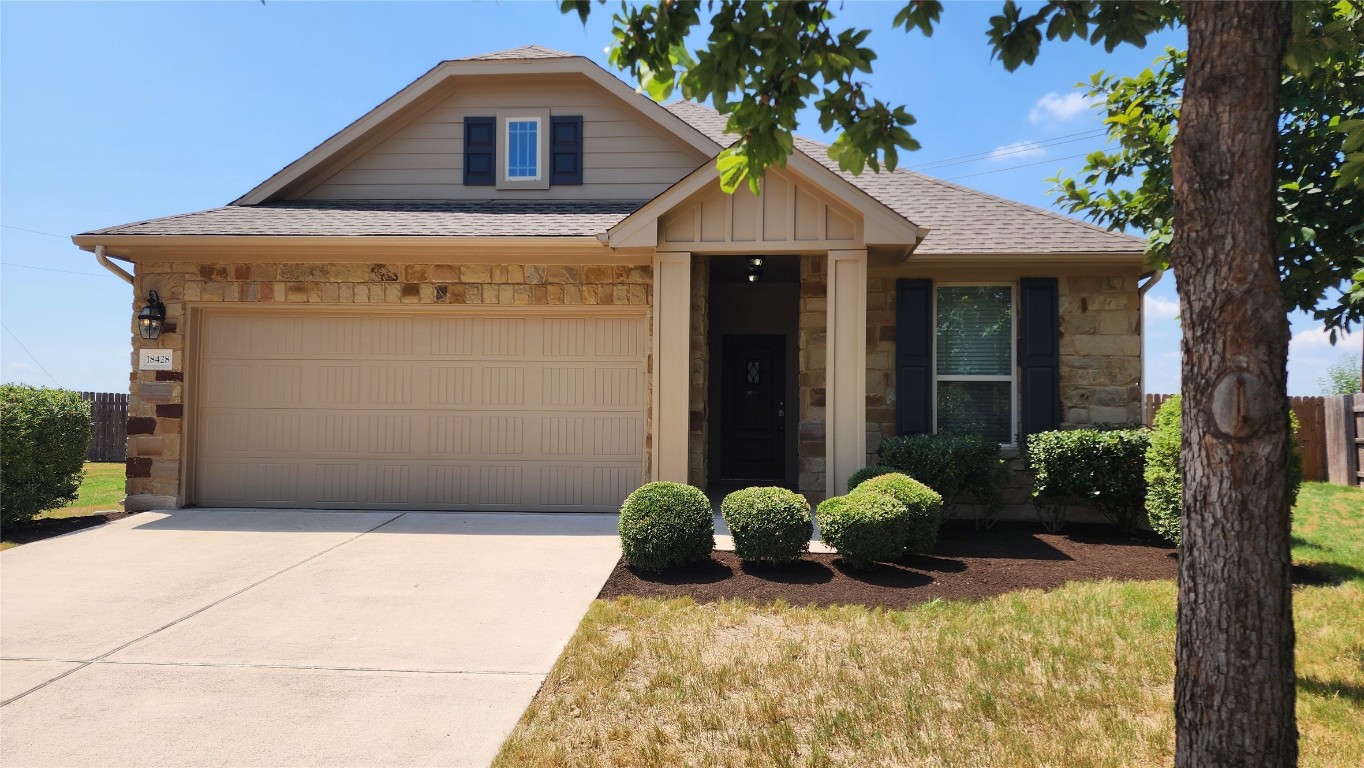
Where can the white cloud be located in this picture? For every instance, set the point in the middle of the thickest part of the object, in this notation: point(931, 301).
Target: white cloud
point(1318, 338)
point(21, 366)
point(1158, 308)
point(1059, 108)
point(1016, 150)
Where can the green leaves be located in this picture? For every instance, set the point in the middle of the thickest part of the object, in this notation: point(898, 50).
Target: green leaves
point(1016, 39)
point(1319, 213)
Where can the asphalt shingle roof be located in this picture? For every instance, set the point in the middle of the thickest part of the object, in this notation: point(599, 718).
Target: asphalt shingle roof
point(467, 218)
point(524, 52)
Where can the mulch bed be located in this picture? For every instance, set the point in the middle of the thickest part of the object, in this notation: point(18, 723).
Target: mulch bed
point(967, 565)
point(47, 527)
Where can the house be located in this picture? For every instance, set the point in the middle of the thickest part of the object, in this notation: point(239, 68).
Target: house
point(517, 285)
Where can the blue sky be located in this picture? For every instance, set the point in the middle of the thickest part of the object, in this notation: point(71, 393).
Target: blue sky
point(114, 112)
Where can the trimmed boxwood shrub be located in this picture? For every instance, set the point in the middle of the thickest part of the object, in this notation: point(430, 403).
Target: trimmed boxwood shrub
point(43, 437)
point(1164, 486)
point(922, 503)
point(865, 527)
point(960, 467)
point(866, 473)
point(768, 524)
point(1101, 467)
point(664, 525)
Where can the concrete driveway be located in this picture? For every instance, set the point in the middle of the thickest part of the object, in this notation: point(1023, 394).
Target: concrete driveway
point(288, 638)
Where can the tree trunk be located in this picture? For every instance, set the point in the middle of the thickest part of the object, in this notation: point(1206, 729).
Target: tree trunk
point(1234, 679)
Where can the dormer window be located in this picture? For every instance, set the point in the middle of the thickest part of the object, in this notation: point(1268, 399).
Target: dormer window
point(523, 148)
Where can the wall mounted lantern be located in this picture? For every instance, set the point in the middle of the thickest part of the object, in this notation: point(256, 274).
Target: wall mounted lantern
point(755, 268)
point(150, 318)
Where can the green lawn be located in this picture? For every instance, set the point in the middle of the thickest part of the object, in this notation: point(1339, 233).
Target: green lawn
point(100, 491)
point(1080, 676)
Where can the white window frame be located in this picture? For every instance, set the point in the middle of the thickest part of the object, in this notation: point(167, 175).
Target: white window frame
point(505, 117)
point(1012, 378)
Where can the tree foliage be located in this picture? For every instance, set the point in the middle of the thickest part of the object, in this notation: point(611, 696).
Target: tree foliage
point(1320, 190)
point(765, 61)
point(1343, 378)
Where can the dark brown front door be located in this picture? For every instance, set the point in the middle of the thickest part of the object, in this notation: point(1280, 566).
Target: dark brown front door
point(753, 411)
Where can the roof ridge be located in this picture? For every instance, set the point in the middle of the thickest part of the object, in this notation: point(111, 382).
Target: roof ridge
point(530, 51)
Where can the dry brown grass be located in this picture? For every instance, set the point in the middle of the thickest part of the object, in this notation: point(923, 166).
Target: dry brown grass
point(1081, 676)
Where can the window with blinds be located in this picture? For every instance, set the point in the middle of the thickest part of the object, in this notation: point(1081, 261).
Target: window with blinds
point(974, 360)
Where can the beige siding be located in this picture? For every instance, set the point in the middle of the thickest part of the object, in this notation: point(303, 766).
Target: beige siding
point(789, 214)
point(625, 156)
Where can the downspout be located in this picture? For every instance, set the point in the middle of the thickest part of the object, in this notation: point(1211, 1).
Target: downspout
point(1141, 297)
point(112, 267)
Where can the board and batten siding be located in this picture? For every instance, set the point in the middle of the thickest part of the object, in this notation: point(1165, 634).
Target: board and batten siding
point(625, 157)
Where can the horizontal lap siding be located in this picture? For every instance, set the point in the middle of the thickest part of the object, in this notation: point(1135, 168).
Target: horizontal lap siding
point(624, 157)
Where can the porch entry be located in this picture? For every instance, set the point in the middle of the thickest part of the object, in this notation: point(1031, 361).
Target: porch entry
point(752, 378)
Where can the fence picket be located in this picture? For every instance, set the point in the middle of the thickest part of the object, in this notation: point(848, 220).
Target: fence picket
point(1315, 433)
point(108, 426)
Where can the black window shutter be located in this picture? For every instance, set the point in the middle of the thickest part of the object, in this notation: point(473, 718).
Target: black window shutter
point(480, 151)
point(566, 149)
point(1039, 354)
point(913, 356)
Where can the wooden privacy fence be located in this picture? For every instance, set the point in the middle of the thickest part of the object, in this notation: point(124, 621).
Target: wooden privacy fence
point(1315, 438)
point(108, 426)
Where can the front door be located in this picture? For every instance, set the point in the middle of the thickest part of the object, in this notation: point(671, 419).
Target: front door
point(753, 408)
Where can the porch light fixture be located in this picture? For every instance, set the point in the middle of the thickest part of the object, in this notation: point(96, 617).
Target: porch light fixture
point(150, 318)
point(755, 268)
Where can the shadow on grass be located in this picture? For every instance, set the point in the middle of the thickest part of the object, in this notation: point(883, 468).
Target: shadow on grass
point(1332, 689)
point(1324, 574)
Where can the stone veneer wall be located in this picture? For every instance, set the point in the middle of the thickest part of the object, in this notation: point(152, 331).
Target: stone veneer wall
point(698, 415)
point(156, 401)
point(813, 351)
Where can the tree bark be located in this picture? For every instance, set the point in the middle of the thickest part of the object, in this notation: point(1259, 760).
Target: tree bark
point(1234, 678)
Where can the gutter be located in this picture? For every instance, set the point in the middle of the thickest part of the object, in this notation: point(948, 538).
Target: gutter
point(112, 267)
point(1141, 295)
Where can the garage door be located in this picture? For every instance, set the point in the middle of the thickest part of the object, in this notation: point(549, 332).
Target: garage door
point(446, 410)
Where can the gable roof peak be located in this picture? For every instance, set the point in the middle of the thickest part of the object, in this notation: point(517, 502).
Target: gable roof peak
point(522, 52)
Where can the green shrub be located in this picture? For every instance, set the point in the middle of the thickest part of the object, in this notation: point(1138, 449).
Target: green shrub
point(43, 437)
point(922, 503)
point(1102, 467)
point(865, 527)
point(960, 467)
point(664, 525)
point(768, 524)
point(1164, 485)
point(866, 473)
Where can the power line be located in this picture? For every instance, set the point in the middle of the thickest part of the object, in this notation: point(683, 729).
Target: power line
point(49, 269)
point(1016, 167)
point(34, 231)
point(30, 354)
point(1023, 147)
point(1062, 139)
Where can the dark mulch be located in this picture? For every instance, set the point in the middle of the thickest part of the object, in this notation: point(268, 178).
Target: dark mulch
point(967, 565)
point(47, 527)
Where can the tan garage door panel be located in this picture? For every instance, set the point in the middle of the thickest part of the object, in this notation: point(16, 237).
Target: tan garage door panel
point(491, 411)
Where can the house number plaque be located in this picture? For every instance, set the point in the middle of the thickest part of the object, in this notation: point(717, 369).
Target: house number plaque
point(155, 360)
